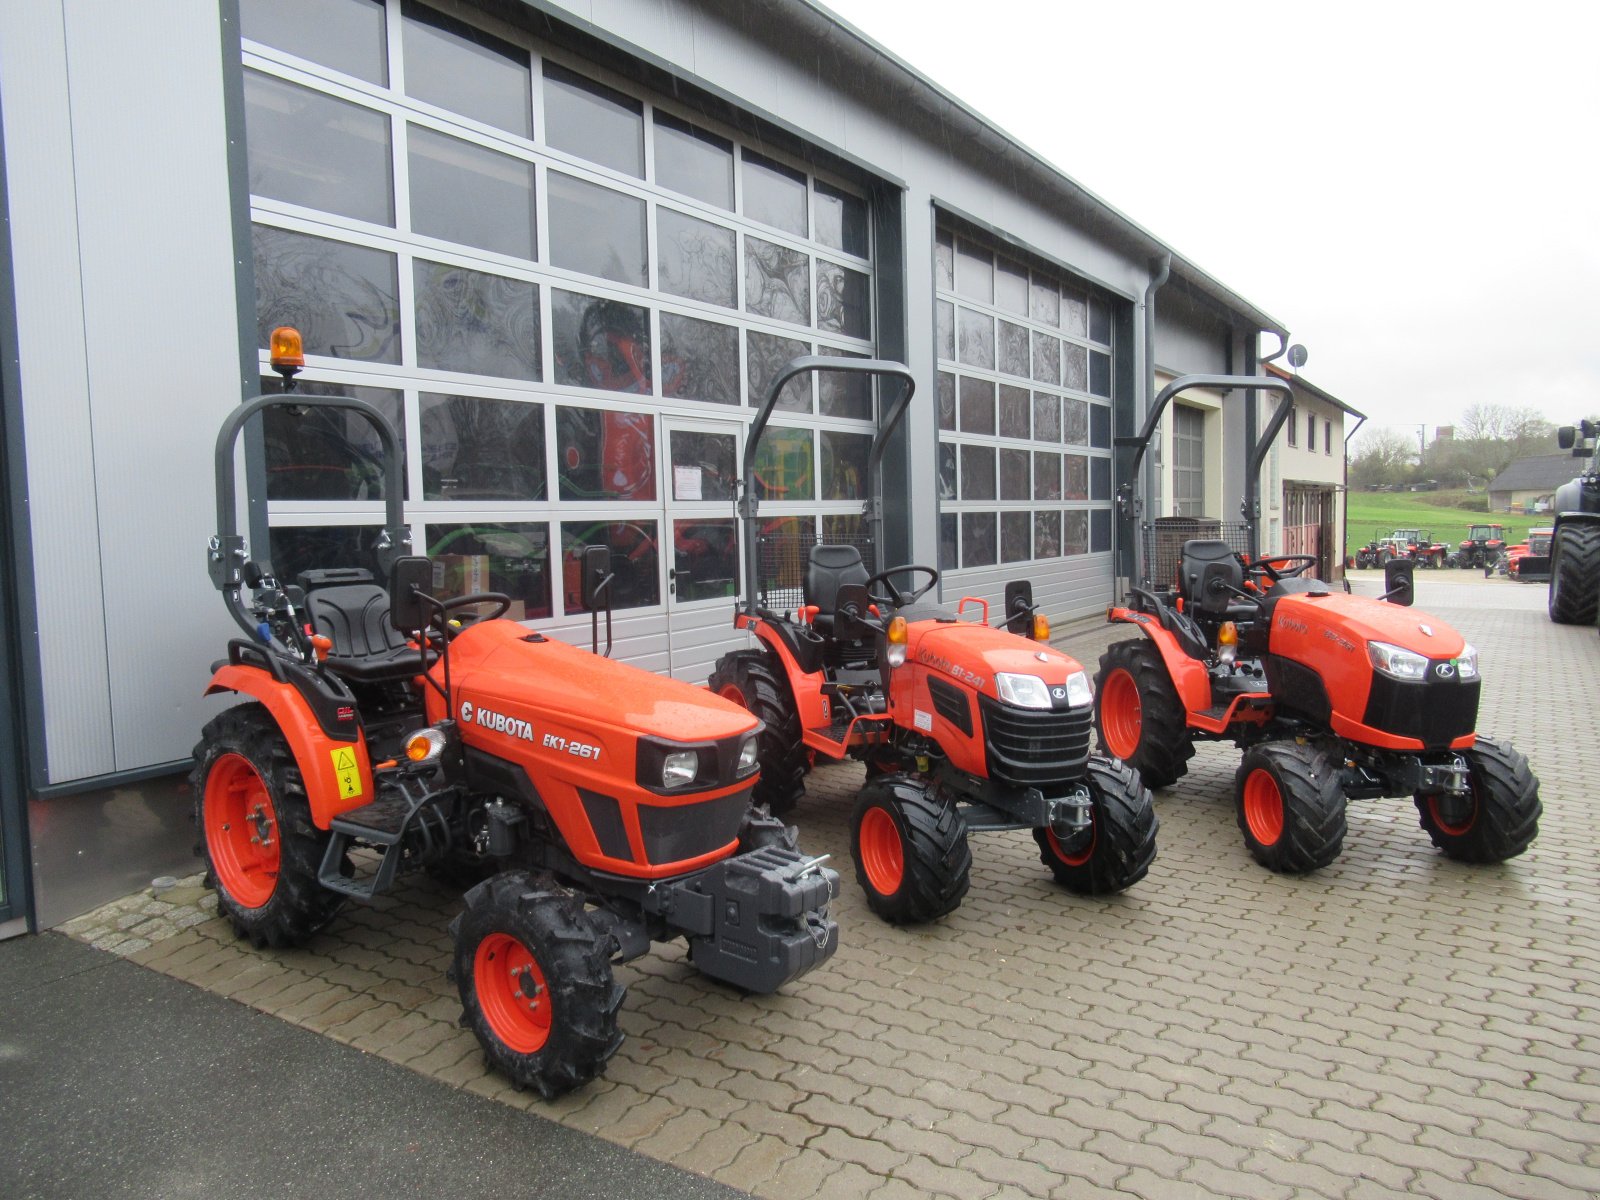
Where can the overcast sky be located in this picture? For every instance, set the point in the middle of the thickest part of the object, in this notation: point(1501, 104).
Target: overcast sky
point(1431, 231)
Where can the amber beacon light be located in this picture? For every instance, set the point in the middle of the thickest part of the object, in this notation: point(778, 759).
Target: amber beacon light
point(286, 351)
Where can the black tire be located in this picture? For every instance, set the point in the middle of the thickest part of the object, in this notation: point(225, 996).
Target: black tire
point(1575, 574)
point(1505, 808)
point(515, 919)
point(1144, 713)
point(1290, 806)
point(909, 845)
point(272, 904)
point(749, 678)
point(1121, 843)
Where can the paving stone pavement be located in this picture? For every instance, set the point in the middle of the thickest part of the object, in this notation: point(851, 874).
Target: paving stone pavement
point(1394, 1025)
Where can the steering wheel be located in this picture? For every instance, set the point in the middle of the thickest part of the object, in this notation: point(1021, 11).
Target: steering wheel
point(1283, 566)
point(500, 600)
point(896, 597)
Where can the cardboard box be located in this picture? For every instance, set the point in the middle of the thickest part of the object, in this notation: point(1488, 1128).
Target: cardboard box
point(460, 575)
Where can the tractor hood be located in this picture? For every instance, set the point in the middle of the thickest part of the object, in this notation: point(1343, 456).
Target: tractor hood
point(974, 654)
point(1348, 622)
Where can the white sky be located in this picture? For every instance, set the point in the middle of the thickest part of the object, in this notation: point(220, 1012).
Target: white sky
point(1432, 234)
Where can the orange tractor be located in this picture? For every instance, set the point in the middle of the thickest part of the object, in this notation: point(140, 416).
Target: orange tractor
point(386, 731)
point(1331, 696)
point(963, 727)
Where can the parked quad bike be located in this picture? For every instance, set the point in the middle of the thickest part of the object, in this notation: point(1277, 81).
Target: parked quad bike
point(608, 806)
point(962, 727)
point(1575, 542)
point(1331, 696)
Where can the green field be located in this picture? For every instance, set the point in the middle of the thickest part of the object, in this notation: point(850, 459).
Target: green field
point(1444, 514)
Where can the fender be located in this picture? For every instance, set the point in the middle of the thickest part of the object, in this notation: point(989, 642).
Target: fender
point(809, 702)
point(1190, 678)
point(330, 790)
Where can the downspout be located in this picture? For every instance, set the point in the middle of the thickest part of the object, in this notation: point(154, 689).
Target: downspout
point(1163, 273)
point(1344, 517)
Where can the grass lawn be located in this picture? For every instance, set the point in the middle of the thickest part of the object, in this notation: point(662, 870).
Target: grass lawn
point(1439, 512)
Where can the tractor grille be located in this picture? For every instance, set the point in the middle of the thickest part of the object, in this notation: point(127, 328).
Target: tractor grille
point(1436, 713)
point(687, 831)
point(1030, 747)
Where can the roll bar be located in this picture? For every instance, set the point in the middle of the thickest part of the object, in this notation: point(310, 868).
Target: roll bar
point(804, 364)
point(225, 554)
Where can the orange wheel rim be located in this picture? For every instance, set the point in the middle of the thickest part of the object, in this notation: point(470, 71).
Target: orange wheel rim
point(1121, 714)
point(512, 993)
point(1263, 807)
point(732, 691)
point(1453, 828)
point(882, 855)
point(241, 827)
point(1073, 860)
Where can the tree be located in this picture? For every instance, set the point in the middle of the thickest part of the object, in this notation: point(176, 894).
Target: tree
point(1381, 454)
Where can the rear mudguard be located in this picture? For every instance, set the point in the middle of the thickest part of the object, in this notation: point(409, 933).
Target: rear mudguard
point(337, 775)
point(813, 708)
point(1190, 678)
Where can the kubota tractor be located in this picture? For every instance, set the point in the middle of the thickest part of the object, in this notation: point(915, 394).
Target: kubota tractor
point(385, 731)
point(963, 727)
point(1331, 696)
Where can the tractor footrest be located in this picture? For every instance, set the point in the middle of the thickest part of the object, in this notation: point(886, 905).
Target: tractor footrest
point(382, 821)
point(381, 825)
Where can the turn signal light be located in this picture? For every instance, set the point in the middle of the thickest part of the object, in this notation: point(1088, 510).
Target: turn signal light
point(1041, 627)
point(425, 745)
point(897, 636)
point(286, 350)
point(1228, 635)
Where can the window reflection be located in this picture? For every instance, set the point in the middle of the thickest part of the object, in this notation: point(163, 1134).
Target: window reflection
point(293, 549)
point(976, 332)
point(1077, 478)
point(1015, 535)
point(461, 68)
point(1046, 476)
point(1099, 373)
point(844, 465)
point(474, 448)
point(1046, 359)
point(774, 194)
point(592, 121)
point(699, 360)
point(475, 322)
point(843, 299)
point(600, 343)
point(342, 298)
point(692, 161)
point(1047, 534)
point(948, 545)
point(605, 455)
point(977, 539)
point(841, 220)
point(1014, 349)
point(703, 466)
point(777, 281)
point(463, 193)
point(1011, 287)
point(947, 471)
point(768, 355)
point(705, 558)
point(842, 394)
point(1013, 411)
point(977, 405)
point(974, 273)
point(635, 562)
point(947, 400)
point(1014, 475)
point(328, 453)
point(783, 466)
point(1075, 536)
point(695, 258)
point(977, 473)
point(1046, 417)
point(596, 231)
point(308, 148)
point(346, 35)
point(513, 559)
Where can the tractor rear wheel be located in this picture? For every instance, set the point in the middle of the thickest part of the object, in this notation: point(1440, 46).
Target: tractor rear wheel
point(1499, 819)
point(534, 975)
point(749, 679)
point(910, 848)
point(1291, 807)
point(1116, 851)
point(262, 851)
point(1575, 574)
point(1138, 714)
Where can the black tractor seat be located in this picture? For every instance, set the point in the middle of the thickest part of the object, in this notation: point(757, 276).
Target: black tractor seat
point(828, 568)
point(1205, 560)
point(366, 647)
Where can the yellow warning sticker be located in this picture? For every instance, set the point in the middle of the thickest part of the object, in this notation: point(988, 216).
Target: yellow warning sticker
point(346, 771)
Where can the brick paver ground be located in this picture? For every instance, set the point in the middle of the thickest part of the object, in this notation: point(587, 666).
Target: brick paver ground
point(1395, 1025)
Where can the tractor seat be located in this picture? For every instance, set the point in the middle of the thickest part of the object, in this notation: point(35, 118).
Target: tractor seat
point(366, 647)
point(828, 568)
point(1214, 557)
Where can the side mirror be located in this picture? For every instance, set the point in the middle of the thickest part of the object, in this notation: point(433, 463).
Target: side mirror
point(594, 572)
point(1566, 437)
point(1019, 607)
point(1399, 577)
point(410, 580)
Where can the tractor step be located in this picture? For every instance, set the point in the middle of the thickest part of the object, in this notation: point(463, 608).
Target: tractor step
point(381, 825)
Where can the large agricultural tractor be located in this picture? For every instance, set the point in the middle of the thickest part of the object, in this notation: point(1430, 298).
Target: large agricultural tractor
point(1330, 696)
point(963, 726)
point(1575, 542)
point(386, 731)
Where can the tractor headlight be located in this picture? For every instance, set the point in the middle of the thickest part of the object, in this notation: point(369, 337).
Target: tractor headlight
point(1397, 663)
point(1467, 664)
point(679, 768)
point(1025, 691)
point(1079, 690)
point(747, 756)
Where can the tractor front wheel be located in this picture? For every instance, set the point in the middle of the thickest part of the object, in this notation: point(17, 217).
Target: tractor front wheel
point(534, 975)
point(1138, 714)
point(1290, 806)
point(1498, 819)
point(910, 848)
point(262, 851)
point(1575, 574)
point(749, 679)
point(1116, 850)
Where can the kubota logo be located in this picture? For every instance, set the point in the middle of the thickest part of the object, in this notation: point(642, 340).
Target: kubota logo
point(497, 722)
point(1445, 670)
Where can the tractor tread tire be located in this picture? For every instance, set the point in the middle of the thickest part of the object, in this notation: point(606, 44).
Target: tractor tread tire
point(1505, 818)
point(1575, 574)
point(1125, 827)
point(573, 954)
point(1165, 744)
point(765, 693)
point(299, 906)
point(1314, 803)
point(933, 840)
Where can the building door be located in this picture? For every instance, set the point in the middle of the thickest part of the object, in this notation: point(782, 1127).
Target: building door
point(701, 551)
point(1308, 525)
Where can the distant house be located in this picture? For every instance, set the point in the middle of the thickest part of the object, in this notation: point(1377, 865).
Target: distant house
point(1528, 481)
